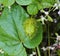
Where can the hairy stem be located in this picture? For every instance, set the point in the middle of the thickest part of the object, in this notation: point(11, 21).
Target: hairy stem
point(38, 51)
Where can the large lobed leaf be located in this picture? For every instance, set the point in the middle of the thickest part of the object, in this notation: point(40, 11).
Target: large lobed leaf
point(12, 33)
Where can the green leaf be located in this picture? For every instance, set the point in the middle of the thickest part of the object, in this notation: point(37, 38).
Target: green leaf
point(32, 9)
point(46, 3)
point(10, 26)
point(49, 1)
point(7, 2)
point(24, 2)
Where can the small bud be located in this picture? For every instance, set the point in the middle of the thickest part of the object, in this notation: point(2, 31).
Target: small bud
point(2, 52)
point(58, 38)
point(34, 53)
point(59, 12)
point(9, 7)
point(42, 19)
point(55, 21)
point(46, 13)
point(52, 48)
point(31, 55)
point(43, 48)
point(55, 5)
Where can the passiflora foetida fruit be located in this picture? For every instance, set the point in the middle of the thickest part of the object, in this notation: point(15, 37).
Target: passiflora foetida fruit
point(30, 27)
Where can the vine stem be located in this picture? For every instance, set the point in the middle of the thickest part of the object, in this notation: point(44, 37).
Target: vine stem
point(38, 51)
point(48, 41)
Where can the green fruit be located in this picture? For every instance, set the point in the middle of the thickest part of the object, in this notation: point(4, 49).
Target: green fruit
point(30, 27)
